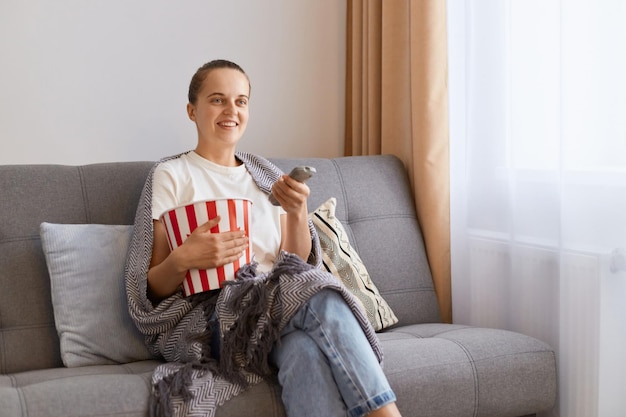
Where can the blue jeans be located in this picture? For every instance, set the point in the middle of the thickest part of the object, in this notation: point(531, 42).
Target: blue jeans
point(325, 364)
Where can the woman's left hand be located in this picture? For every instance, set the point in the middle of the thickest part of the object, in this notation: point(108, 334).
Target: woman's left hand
point(291, 194)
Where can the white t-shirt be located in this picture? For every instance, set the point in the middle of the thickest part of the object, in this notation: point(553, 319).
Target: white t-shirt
point(192, 178)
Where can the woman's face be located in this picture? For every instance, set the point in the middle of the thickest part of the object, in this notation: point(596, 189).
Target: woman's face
point(221, 110)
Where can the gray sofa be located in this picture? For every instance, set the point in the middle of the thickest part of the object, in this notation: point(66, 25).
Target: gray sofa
point(435, 369)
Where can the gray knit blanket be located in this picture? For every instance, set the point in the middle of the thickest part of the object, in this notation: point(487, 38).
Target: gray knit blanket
point(251, 312)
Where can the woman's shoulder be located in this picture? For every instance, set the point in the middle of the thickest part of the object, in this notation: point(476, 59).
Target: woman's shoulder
point(263, 172)
point(254, 161)
point(172, 161)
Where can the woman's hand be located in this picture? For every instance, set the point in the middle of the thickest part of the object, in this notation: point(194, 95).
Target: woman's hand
point(291, 194)
point(202, 250)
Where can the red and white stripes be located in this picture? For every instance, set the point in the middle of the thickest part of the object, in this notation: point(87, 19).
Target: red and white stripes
point(182, 221)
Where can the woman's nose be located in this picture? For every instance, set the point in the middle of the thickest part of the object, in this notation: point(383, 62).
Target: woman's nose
point(230, 108)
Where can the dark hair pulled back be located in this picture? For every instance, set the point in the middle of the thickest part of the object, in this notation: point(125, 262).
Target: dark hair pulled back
point(198, 78)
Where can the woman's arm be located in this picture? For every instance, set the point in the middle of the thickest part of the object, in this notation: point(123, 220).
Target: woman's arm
point(292, 196)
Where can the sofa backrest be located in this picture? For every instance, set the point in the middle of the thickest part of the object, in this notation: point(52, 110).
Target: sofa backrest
point(373, 202)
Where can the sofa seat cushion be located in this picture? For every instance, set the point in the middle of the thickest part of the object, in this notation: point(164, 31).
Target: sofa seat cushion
point(115, 390)
point(466, 371)
point(111, 391)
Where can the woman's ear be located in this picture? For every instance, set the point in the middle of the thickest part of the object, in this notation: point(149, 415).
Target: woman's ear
point(191, 111)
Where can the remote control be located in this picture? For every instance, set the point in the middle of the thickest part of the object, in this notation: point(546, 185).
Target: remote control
point(299, 173)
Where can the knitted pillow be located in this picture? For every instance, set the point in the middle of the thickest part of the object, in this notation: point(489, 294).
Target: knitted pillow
point(340, 259)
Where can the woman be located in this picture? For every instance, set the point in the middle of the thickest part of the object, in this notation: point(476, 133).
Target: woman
point(316, 334)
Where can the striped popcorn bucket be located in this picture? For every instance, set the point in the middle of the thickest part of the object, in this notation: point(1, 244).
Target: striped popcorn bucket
point(180, 222)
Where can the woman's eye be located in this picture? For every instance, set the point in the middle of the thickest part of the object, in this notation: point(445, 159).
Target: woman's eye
point(217, 100)
point(242, 102)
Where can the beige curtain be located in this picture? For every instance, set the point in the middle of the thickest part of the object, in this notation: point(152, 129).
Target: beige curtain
point(397, 103)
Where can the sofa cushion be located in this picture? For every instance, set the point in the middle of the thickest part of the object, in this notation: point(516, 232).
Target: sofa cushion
point(457, 370)
point(342, 260)
point(86, 266)
point(87, 391)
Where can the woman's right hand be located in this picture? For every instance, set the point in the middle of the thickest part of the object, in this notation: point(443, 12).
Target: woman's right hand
point(202, 250)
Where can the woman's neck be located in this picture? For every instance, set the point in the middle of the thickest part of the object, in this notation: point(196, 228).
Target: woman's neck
point(225, 157)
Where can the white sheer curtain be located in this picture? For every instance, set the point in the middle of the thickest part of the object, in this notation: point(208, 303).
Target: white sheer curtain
point(538, 156)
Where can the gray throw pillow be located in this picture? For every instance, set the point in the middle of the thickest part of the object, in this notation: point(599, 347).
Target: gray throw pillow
point(86, 266)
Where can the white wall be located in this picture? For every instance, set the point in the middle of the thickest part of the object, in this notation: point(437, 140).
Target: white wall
point(85, 81)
